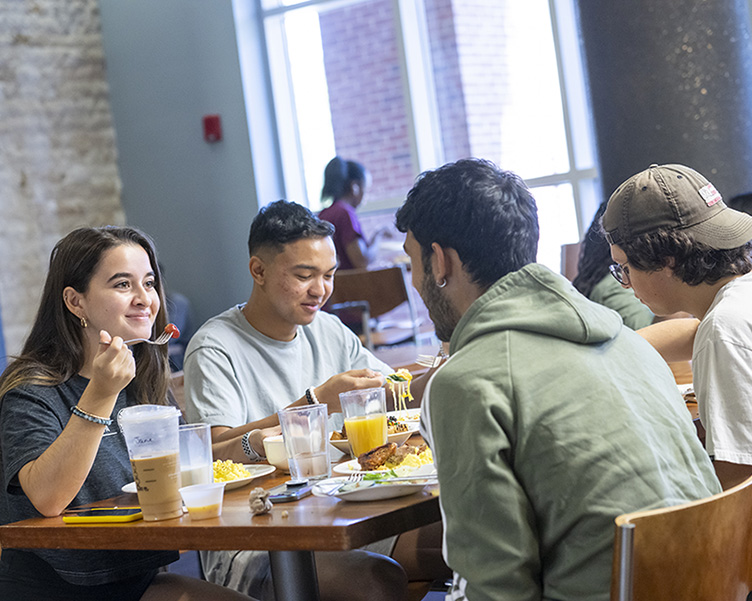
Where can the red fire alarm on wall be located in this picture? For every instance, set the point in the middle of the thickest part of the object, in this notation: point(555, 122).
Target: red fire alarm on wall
point(212, 128)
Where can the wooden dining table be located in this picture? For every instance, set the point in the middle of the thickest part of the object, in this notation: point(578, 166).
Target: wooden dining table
point(291, 532)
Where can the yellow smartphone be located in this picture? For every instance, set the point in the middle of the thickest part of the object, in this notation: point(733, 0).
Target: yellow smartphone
point(103, 514)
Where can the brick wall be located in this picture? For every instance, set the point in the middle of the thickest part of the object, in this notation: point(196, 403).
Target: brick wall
point(481, 42)
point(468, 44)
point(57, 147)
point(447, 75)
point(366, 94)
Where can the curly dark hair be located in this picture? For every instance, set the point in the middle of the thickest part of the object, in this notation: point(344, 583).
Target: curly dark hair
point(692, 262)
point(487, 215)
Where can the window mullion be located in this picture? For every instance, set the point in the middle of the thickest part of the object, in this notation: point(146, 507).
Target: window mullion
point(418, 81)
point(565, 112)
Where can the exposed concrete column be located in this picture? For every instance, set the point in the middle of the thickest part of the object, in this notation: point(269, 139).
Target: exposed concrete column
point(671, 82)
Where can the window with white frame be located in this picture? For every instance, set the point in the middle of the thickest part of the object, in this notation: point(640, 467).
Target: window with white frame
point(405, 85)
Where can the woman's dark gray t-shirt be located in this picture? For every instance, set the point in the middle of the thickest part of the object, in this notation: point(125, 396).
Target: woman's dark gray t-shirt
point(31, 418)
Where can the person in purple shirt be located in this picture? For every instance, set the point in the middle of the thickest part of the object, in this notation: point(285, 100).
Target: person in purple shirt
point(345, 183)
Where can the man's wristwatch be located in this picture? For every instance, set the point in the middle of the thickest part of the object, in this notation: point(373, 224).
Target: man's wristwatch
point(250, 452)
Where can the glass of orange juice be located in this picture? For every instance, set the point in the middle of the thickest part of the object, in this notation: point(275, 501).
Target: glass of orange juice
point(365, 419)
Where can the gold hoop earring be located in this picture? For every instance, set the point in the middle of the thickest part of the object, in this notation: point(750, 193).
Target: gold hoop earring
point(83, 323)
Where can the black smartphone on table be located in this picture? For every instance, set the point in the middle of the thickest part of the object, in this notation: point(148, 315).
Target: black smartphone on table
point(102, 515)
point(290, 491)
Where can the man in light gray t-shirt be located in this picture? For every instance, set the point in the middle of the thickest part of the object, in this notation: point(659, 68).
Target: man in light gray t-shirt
point(236, 375)
point(277, 351)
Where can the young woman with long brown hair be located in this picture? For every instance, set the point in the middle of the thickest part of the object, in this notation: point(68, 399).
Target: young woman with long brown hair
point(59, 441)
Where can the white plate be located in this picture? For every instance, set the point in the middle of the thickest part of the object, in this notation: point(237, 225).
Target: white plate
point(257, 470)
point(349, 467)
point(398, 438)
point(368, 490)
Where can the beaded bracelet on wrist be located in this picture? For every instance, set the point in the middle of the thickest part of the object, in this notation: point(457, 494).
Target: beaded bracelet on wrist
point(90, 417)
point(249, 451)
point(311, 396)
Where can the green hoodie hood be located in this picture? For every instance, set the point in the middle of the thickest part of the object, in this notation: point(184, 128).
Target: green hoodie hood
point(535, 299)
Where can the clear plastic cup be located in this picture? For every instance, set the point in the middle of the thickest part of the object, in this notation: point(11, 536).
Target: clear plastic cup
point(365, 419)
point(305, 432)
point(203, 501)
point(195, 454)
point(151, 436)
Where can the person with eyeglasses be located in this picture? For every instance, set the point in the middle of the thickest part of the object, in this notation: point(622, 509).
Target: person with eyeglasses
point(620, 273)
point(677, 245)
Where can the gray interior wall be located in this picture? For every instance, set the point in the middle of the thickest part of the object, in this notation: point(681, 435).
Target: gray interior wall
point(169, 63)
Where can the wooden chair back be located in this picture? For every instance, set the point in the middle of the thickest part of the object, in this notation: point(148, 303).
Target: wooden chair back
point(177, 388)
point(384, 289)
point(376, 292)
point(700, 551)
point(570, 256)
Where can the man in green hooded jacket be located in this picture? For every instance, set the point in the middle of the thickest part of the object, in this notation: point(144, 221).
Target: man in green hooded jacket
point(550, 417)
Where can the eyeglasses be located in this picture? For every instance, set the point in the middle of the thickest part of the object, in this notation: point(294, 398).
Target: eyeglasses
point(620, 273)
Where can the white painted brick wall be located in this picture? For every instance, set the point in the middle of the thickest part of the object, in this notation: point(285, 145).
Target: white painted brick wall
point(57, 144)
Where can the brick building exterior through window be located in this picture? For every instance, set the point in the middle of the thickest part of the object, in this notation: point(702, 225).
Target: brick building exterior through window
point(403, 86)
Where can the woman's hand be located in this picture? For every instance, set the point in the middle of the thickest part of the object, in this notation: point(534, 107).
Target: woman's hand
point(113, 367)
point(383, 232)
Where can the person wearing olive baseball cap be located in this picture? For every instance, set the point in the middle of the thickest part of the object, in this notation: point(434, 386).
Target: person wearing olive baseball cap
point(674, 198)
point(681, 249)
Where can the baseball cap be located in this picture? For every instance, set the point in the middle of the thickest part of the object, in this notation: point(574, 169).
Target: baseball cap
point(674, 197)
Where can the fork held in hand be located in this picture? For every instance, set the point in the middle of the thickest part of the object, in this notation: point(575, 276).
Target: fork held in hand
point(161, 339)
point(170, 331)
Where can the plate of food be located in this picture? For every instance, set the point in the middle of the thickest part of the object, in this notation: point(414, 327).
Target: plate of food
point(407, 460)
point(234, 475)
point(375, 488)
point(398, 431)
